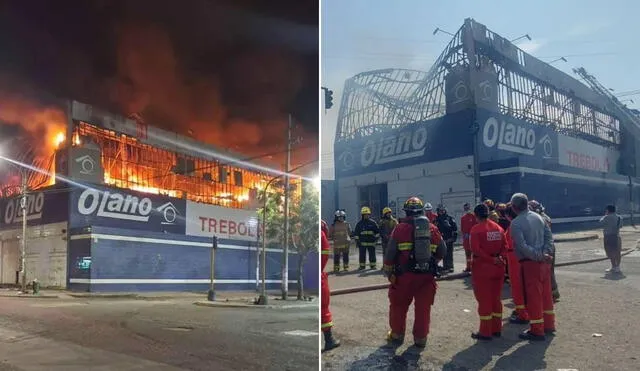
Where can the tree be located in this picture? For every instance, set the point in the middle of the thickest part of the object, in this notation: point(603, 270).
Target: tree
point(303, 219)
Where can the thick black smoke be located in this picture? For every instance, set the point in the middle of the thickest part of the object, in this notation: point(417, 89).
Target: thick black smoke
point(228, 71)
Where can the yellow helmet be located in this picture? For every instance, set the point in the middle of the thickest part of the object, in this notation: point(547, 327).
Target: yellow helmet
point(386, 210)
point(365, 211)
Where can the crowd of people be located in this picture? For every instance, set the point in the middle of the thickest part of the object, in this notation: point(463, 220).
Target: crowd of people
point(502, 242)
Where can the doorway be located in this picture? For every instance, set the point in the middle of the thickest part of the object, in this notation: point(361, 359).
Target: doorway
point(375, 197)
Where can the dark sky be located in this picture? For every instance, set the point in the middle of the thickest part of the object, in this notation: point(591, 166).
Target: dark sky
point(221, 68)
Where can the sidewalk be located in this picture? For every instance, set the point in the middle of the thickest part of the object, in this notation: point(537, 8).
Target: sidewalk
point(235, 299)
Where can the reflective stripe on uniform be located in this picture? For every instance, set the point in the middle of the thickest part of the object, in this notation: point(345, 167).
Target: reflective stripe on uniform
point(520, 306)
point(535, 321)
point(325, 252)
point(404, 246)
point(326, 325)
point(366, 232)
point(486, 318)
point(367, 243)
point(434, 248)
point(497, 315)
point(548, 312)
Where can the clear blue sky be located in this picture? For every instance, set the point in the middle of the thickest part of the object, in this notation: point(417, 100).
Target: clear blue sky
point(362, 35)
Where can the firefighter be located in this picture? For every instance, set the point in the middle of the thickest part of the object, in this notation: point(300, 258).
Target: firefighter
point(329, 341)
point(366, 234)
point(488, 244)
point(410, 265)
point(449, 230)
point(387, 224)
point(533, 244)
point(467, 221)
point(519, 315)
point(428, 211)
point(538, 208)
point(340, 234)
point(493, 215)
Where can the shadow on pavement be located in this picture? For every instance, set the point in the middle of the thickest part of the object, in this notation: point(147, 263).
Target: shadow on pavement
point(381, 357)
point(480, 354)
point(614, 277)
point(528, 357)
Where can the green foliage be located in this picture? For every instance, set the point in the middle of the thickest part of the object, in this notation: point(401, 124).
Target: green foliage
point(304, 216)
point(274, 215)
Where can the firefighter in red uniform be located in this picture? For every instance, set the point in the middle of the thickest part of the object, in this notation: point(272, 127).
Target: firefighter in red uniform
point(519, 315)
point(488, 244)
point(329, 341)
point(410, 263)
point(467, 221)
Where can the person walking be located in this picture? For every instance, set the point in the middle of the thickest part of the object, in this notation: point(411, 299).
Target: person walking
point(488, 245)
point(533, 244)
point(611, 223)
point(340, 234)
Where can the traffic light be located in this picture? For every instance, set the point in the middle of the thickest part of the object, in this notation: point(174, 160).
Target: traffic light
point(328, 98)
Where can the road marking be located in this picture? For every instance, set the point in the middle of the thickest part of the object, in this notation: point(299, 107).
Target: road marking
point(300, 333)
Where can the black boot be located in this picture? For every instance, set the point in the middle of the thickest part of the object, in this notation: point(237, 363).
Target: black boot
point(329, 341)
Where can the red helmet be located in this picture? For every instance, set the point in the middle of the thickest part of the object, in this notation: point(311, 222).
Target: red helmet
point(324, 226)
point(413, 204)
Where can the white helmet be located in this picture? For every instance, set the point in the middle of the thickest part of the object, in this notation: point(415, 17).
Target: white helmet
point(340, 213)
point(428, 206)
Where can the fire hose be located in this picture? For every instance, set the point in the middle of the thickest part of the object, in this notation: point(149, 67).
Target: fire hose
point(451, 277)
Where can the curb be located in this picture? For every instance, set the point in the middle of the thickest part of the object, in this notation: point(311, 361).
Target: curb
point(451, 277)
point(256, 306)
point(29, 296)
point(577, 239)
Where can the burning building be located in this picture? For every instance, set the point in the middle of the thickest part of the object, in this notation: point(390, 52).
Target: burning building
point(125, 206)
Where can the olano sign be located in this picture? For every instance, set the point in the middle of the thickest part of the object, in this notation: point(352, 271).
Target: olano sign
point(13, 210)
point(117, 206)
point(515, 137)
point(405, 145)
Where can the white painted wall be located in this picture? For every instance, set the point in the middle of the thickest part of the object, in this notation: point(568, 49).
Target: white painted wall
point(451, 180)
point(46, 257)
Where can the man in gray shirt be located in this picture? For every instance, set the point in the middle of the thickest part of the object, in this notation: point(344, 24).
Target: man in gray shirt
point(533, 244)
point(611, 224)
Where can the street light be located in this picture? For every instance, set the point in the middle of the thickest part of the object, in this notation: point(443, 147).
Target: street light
point(23, 207)
point(559, 59)
point(525, 36)
point(438, 29)
point(262, 299)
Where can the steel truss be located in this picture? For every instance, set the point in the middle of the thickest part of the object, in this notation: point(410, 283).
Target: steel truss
point(386, 99)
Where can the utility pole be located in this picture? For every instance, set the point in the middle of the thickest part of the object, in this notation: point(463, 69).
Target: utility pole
point(23, 249)
point(211, 295)
point(285, 253)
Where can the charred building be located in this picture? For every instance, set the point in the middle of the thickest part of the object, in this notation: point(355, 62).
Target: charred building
point(125, 206)
point(486, 120)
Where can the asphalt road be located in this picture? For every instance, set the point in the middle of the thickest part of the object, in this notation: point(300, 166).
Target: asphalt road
point(596, 318)
point(104, 334)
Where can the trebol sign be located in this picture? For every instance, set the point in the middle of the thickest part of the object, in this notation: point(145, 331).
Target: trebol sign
point(404, 145)
point(515, 137)
point(111, 206)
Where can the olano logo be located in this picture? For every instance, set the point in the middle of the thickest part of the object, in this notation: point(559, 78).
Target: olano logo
point(405, 145)
point(509, 137)
point(13, 211)
point(169, 213)
point(117, 206)
point(87, 164)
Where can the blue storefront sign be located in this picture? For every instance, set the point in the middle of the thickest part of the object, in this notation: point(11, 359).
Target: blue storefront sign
point(47, 205)
point(119, 208)
point(434, 140)
point(502, 137)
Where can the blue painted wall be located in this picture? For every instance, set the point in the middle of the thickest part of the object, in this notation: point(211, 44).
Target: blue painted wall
point(134, 260)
